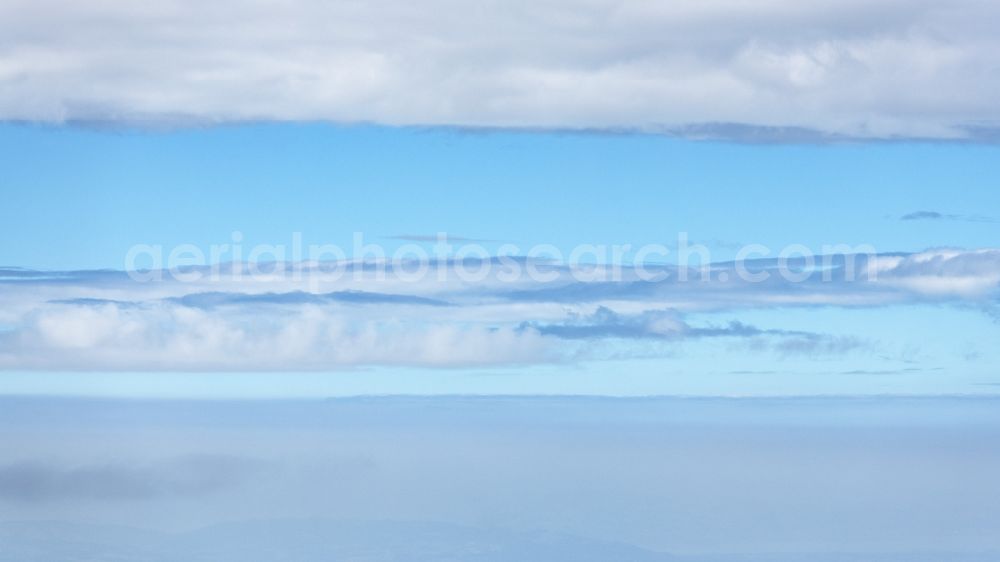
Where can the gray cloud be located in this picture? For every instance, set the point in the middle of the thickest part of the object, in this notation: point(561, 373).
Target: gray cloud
point(209, 300)
point(14, 276)
point(907, 370)
point(923, 215)
point(192, 476)
point(779, 71)
point(436, 238)
point(89, 301)
point(606, 323)
point(936, 216)
point(213, 299)
point(669, 325)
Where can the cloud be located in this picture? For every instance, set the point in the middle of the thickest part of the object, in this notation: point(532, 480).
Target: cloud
point(606, 323)
point(923, 215)
point(171, 336)
point(85, 301)
point(211, 300)
point(303, 317)
point(669, 325)
point(776, 71)
point(189, 476)
point(884, 468)
point(442, 237)
point(943, 273)
point(934, 215)
point(907, 370)
point(838, 280)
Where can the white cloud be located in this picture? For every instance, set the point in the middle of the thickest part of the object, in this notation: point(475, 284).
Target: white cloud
point(947, 272)
point(174, 336)
point(877, 68)
point(104, 320)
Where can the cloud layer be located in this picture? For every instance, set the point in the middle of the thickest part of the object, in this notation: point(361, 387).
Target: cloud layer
point(307, 317)
point(775, 70)
point(691, 475)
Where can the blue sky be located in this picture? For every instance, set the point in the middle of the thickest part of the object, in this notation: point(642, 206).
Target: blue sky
point(80, 197)
point(201, 141)
point(123, 187)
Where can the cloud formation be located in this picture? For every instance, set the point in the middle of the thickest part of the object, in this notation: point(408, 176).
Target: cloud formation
point(211, 300)
point(667, 325)
point(893, 473)
point(188, 476)
point(441, 237)
point(936, 216)
point(306, 317)
point(778, 70)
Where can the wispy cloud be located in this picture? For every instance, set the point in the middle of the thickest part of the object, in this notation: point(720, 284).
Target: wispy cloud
point(446, 238)
point(214, 299)
point(936, 216)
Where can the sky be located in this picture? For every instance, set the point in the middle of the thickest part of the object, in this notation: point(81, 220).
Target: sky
point(198, 185)
point(501, 197)
point(691, 281)
point(82, 198)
